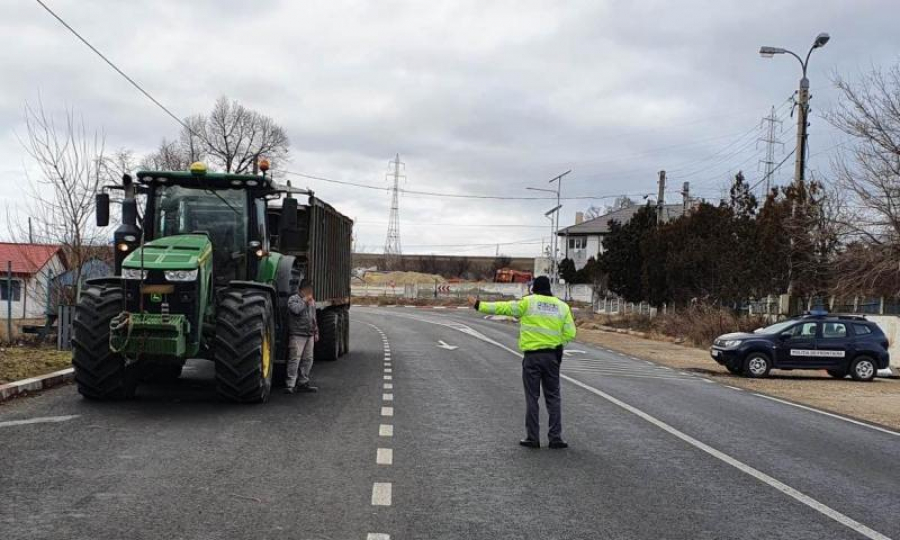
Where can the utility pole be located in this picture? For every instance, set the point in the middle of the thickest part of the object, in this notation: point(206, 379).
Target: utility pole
point(802, 114)
point(661, 198)
point(392, 249)
point(771, 140)
point(554, 224)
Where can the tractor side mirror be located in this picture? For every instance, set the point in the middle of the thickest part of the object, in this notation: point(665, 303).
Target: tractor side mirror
point(288, 214)
point(102, 204)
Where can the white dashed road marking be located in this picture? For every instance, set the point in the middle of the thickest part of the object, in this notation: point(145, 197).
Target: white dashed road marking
point(378, 536)
point(388, 386)
point(387, 397)
point(387, 411)
point(386, 430)
point(387, 377)
point(381, 494)
point(38, 420)
point(385, 456)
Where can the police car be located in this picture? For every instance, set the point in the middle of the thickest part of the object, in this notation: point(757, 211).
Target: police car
point(840, 344)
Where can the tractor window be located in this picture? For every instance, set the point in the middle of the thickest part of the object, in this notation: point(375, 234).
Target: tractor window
point(221, 213)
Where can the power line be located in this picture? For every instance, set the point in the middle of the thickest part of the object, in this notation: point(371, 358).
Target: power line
point(764, 178)
point(116, 68)
point(458, 195)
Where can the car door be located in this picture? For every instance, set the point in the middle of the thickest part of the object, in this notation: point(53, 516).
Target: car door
point(797, 347)
point(834, 344)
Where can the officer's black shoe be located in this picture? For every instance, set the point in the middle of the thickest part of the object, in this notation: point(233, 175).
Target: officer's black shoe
point(529, 443)
point(559, 443)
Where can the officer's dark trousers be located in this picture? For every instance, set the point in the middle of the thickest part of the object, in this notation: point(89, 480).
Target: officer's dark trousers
point(541, 369)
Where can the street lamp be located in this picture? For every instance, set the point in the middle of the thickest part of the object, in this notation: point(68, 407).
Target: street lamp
point(802, 101)
point(557, 191)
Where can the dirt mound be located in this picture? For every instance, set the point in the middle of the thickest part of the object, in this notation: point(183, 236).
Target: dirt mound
point(402, 278)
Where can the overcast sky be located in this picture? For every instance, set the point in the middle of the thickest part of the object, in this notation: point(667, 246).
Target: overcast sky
point(477, 97)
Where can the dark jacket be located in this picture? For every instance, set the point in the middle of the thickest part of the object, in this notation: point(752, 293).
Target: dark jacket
point(302, 319)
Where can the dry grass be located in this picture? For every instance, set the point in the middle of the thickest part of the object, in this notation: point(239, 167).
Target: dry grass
point(22, 362)
point(697, 326)
point(878, 401)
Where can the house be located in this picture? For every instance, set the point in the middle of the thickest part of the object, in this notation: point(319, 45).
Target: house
point(584, 239)
point(33, 268)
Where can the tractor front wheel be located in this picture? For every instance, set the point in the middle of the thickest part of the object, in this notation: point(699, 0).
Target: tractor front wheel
point(100, 373)
point(244, 346)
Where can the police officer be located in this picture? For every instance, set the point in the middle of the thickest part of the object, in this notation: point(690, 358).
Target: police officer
point(545, 326)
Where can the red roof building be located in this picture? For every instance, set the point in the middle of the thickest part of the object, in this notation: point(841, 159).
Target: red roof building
point(27, 259)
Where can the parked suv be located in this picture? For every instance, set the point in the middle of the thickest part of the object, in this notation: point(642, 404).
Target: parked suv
point(840, 344)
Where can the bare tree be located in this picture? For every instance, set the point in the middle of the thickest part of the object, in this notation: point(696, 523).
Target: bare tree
point(868, 170)
point(597, 211)
point(236, 137)
point(72, 168)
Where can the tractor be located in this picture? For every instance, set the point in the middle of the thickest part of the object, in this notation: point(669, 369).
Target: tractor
point(199, 275)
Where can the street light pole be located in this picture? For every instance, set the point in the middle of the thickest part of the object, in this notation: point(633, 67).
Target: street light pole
point(554, 278)
point(802, 103)
point(802, 116)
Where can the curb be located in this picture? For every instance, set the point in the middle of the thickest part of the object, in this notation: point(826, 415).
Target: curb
point(35, 384)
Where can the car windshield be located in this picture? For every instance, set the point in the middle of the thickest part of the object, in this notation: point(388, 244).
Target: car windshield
point(221, 213)
point(776, 328)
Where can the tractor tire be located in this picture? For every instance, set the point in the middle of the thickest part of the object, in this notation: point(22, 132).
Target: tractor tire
point(244, 346)
point(328, 347)
point(100, 373)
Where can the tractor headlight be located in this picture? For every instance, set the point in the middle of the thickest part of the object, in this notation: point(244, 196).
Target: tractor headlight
point(134, 273)
point(181, 275)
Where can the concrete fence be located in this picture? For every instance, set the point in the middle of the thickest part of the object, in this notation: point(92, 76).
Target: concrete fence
point(578, 293)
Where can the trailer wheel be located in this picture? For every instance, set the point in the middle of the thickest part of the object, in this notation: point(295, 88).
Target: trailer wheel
point(244, 346)
point(328, 347)
point(100, 373)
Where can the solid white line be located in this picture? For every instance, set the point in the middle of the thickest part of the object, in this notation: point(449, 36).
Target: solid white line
point(388, 386)
point(378, 536)
point(38, 420)
point(743, 467)
point(387, 411)
point(630, 376)
point(387, 397)
point(386, 430)
point(733, 387)
point(381, 494)
point(826, 413)
point(384, 456)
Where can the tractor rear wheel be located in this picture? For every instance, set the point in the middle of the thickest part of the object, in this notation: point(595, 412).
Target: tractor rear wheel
point(244, 346)
point(328, 347)
point(99, 372)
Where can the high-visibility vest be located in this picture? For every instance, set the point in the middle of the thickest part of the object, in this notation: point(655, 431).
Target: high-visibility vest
point(545, 322)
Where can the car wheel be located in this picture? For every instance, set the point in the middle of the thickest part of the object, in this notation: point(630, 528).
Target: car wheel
point(837, 373)
point(757, 365)
point(863, 369)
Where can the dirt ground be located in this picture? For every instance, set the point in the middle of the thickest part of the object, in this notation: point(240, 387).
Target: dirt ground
point(878, 401)
point(22, 362)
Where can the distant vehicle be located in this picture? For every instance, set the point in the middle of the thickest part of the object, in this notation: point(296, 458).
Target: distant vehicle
point(508, 275)
point(840, 344)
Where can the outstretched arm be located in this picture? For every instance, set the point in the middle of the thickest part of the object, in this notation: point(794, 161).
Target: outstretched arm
point(514, 308)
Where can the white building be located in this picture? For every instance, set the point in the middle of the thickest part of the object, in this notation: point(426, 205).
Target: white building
point(584, 239)
point(33, 268)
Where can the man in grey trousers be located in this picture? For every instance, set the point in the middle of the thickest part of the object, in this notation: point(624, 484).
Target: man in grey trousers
point(304, 332)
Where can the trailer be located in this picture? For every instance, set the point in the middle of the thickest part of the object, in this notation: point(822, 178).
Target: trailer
point(321, 245)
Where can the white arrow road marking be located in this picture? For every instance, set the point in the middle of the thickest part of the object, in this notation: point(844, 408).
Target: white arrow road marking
point(39, 420)
point(443, 345)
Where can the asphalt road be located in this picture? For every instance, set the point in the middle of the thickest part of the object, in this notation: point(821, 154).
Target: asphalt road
point(414, 435)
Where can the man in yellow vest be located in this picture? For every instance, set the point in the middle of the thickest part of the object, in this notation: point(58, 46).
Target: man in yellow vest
point(545, 326)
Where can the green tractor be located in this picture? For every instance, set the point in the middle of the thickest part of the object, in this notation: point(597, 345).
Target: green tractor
point(204, 275)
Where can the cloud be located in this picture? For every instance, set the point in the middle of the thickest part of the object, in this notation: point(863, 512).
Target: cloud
point(477, 97)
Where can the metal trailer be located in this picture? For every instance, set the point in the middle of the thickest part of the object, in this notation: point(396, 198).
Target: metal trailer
point(321, 244)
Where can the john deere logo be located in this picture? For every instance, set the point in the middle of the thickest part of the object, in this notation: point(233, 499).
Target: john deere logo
point(156, 298)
